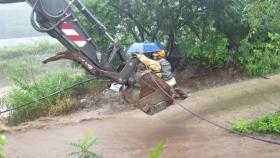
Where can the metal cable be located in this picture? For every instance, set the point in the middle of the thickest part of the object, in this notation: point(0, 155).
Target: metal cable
point(213, 122)
point(50, 95)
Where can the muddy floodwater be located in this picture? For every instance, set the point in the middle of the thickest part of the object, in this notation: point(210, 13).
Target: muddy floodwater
point(134, 134)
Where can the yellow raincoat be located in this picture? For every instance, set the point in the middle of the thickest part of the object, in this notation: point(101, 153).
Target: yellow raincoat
point(156, 67)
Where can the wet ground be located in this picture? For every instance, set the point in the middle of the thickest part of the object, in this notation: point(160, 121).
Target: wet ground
point(135, 138)
point(134, 134)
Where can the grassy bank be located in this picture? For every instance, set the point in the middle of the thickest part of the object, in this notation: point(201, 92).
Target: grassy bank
point(60, 104)
point(266, 124)
point(20, 65)
point(40, 47)
point(23, 62)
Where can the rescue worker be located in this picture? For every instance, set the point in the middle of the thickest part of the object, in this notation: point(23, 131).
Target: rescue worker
point(160, 66)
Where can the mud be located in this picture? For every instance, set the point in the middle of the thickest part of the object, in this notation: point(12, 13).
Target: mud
point(127, 138)
point(134, 134)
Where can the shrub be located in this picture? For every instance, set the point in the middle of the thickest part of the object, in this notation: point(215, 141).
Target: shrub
point(43, 86)
point(267, 124)
point(3, 141)
point(17, 71)
point(211, 53)
point(261, 56)
point(241, 126)
point(264, 124)
point(64, 106)
point(157, 152)
point(82, 148)
point(260, 49)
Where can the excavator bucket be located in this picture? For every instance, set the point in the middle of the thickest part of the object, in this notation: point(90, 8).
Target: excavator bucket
point(147, 92)
point(150, 94)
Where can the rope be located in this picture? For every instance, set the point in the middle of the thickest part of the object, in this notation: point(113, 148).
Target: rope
point(50, 95)
point(213, 122)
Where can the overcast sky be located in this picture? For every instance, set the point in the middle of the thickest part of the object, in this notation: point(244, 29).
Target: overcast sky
point(15, 21)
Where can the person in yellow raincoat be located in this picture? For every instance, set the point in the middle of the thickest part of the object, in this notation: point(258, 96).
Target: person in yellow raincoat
point(160, 66)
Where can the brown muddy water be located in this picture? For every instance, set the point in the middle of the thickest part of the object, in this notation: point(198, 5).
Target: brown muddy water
point(135, 138)
point(134, 134)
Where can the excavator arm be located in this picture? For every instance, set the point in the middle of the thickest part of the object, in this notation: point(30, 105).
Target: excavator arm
point(57, 18)
point(11, 1)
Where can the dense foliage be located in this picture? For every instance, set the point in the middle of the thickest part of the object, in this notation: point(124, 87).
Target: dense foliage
point(239, 34)
point(264, 124)
point(63, 103)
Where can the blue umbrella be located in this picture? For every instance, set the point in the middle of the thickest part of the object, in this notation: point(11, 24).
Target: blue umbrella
point(146, 47)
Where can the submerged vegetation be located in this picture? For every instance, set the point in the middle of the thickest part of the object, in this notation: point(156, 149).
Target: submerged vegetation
point(82, 148)
point(3, 141)
point(20, 65)
point(45, 85)
point(264, 124)
point(157, 151)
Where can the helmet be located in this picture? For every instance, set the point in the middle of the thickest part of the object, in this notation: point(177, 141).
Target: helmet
point(160, 54)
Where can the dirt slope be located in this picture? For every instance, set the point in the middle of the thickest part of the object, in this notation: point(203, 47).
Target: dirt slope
point(133, 134)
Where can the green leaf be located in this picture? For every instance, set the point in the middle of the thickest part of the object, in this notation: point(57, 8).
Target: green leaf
point(75, 154)
point(84, 146)
point(75, 145)
point(94, 142)
point(3, 140)
point(87, 137)
point(157, 152)
point(270, 35)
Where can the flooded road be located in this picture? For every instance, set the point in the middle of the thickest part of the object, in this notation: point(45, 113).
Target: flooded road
point(134, 134)
point(135, 138)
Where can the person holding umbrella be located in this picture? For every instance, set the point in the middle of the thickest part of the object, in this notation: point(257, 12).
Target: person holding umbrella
point(159, 65)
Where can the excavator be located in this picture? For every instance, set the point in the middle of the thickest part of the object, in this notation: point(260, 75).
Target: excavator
point(140, 87)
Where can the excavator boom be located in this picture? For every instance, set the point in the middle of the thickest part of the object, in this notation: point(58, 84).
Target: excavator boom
point(11, 1)
point(57, 18)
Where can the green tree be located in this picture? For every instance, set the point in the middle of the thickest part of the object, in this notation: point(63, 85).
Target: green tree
point(260, 49)
point(213, 33)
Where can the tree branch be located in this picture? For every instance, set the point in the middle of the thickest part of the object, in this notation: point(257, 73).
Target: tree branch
point(140, 27)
